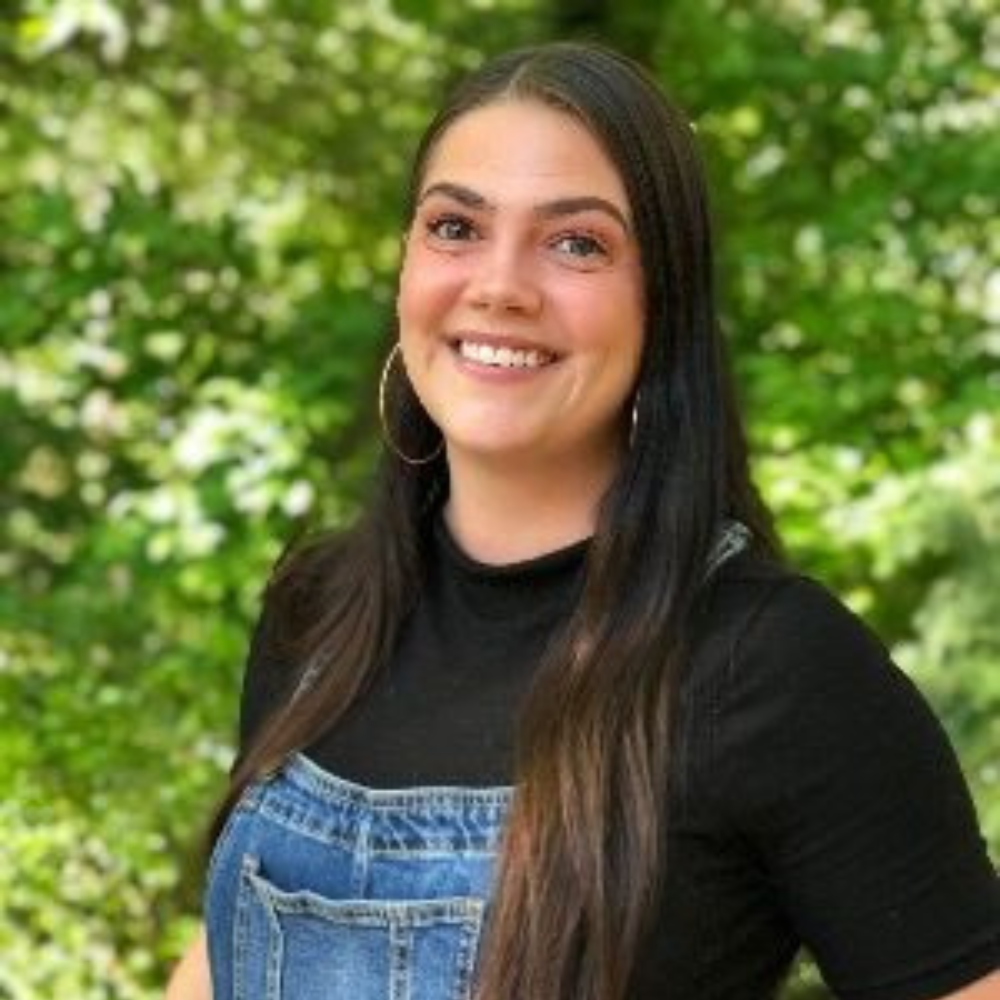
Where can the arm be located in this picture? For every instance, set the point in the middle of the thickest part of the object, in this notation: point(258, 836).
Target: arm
point(190, 980)
point(846, 784)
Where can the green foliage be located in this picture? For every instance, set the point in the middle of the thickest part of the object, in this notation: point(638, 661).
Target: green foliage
point(934, 535)
point(200, 207)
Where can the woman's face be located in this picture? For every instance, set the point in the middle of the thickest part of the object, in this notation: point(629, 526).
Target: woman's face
point(521, 293)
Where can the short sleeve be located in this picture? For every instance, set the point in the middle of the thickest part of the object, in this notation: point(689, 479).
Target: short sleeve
point(833, 768)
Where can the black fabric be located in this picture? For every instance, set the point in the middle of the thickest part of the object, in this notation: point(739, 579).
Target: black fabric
point(819, 802)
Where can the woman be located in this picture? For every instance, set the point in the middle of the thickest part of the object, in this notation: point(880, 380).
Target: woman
point(552, 721)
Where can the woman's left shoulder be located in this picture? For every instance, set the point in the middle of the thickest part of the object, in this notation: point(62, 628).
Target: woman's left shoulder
point(809, 714)
point(785, 628)
point(799, 685)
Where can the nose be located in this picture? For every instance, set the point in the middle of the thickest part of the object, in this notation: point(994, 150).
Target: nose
point(503, 281)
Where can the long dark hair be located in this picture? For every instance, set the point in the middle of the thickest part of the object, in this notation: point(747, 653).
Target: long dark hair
point(582, 858)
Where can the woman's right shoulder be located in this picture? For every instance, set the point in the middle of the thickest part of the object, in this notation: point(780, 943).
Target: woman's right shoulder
point(291, 599)
point(306, 565)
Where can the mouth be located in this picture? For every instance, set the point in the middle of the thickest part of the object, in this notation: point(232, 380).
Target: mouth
point(503, 352)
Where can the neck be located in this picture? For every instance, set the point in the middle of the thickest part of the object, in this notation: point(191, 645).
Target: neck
point(498, 515)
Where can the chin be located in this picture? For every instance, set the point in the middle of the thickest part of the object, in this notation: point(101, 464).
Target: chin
point(488, 447)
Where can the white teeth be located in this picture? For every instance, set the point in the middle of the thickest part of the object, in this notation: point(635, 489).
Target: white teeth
point(503, 357)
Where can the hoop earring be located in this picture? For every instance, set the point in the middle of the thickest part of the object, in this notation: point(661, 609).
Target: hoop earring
point(635, 420)
point(383, 381)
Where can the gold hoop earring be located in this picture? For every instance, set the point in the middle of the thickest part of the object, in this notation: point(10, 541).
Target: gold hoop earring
point(635, 420)
point(383, 381)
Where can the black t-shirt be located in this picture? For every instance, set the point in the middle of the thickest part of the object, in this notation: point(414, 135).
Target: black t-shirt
point(821, 803)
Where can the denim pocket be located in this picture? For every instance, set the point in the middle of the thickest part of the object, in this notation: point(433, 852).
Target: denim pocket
point(303, 946)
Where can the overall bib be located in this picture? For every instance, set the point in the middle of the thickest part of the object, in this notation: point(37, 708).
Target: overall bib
point(321, 889)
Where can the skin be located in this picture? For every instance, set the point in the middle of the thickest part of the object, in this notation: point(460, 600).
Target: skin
point(529, 241)
point(191, 980)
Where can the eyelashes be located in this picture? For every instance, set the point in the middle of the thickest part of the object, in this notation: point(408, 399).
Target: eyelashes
point(451, 230)
point(583, 245)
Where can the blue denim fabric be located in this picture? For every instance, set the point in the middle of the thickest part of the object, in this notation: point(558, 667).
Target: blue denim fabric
point(321, 888)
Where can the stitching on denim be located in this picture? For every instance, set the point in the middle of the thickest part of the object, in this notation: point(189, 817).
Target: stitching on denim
point(275, 950)
point(468, 953)
point(430, 852)
point(337, 831)
point(367, 912)
point(323, 832)
point(248, 868)
point(400, 949)
point(362, 857)
point(312, 778)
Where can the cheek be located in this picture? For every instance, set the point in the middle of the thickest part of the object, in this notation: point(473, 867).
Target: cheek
point(606, 318)
point(613, 327)
point(427, 287)
point(408, 296)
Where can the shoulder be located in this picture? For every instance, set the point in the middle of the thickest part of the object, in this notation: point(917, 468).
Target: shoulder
point(770, 626)
point(291, 603)
point(794, 694)
point(806, 722)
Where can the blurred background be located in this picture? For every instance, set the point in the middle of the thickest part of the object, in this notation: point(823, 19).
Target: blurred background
point(199, 225)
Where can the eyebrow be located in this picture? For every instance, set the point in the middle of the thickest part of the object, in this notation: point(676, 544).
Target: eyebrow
point(555, 209)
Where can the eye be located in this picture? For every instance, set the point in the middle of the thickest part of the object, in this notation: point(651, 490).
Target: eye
point(451, 228)
point(580, 245)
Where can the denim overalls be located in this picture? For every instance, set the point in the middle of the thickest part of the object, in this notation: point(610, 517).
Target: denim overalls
point(320, 889)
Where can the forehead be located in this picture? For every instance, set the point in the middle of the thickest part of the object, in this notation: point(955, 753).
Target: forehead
point(517, 145)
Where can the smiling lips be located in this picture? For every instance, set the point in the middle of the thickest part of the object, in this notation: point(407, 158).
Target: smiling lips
point(502, 352)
